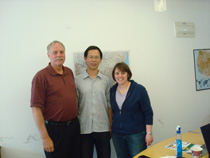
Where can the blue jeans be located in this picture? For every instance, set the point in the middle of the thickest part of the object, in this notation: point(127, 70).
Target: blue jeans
point(128, 145)
point(101, 140)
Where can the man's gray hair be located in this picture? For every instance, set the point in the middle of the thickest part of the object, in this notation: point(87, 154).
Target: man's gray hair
point(52, 43)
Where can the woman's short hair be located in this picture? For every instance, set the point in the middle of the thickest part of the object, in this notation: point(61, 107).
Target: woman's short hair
point(122, 67)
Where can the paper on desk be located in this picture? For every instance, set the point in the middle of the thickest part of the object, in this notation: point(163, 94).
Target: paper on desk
point(185, 146)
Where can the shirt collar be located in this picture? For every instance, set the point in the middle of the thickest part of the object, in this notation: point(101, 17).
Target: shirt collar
point(85, 75)
point(53, 72)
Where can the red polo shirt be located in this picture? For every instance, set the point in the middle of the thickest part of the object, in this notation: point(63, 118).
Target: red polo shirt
point(55, 94)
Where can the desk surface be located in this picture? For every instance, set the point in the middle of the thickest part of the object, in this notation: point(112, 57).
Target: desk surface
point(159, 150)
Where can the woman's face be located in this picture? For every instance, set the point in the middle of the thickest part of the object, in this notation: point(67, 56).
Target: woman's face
point(121, 77)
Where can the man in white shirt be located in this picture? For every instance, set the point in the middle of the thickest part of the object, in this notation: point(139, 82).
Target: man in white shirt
point(94, 107)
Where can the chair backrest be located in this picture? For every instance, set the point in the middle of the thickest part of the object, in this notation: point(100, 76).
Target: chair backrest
point(205, 130)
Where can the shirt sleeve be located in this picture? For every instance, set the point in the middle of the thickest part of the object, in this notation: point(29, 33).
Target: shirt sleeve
point(146, 107)
point(77, 90)
point(38, 91)
point(108, 93)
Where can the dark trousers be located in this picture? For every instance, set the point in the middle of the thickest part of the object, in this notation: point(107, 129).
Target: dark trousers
point(101, 141)
point(66, 140)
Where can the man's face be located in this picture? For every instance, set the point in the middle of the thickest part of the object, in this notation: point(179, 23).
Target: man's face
point(56, 55)
point(93, 59)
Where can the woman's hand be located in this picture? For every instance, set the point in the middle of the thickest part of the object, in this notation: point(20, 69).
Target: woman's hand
point(149, 139)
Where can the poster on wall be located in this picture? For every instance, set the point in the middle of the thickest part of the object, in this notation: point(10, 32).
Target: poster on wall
point(202, 68)
point(107, 64)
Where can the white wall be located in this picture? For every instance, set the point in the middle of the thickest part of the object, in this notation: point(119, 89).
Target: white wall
point(162, 63)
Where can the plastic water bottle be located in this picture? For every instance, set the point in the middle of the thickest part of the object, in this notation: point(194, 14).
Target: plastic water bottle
point(178, 142)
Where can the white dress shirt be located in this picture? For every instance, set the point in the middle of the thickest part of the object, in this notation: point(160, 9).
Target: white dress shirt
point(93, 102)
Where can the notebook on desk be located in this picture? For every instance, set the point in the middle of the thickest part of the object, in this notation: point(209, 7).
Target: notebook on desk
point(205, 130)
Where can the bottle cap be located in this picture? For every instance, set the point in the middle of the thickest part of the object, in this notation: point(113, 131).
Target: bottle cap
point(178, 130)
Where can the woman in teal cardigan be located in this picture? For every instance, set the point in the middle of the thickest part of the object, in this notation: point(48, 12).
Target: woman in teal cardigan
point(132, 114)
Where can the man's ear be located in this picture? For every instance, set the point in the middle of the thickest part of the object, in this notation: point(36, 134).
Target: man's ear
point(85, 58)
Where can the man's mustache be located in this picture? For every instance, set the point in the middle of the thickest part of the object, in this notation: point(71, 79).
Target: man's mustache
point(59, 58)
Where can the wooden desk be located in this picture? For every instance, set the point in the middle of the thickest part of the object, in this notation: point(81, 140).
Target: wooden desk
point(159, 150)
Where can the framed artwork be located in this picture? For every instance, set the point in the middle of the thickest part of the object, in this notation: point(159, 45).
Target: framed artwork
point(202, 68)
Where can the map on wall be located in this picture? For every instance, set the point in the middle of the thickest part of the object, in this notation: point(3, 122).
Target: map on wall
point(202, 68)
point(107, 64)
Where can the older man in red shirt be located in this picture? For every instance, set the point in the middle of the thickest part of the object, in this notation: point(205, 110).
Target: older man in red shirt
point(54, 106)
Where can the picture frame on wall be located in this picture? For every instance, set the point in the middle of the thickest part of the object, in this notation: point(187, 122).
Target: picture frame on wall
point(202, 68)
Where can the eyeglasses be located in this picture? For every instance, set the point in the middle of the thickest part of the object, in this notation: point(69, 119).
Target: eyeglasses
point(94, 57)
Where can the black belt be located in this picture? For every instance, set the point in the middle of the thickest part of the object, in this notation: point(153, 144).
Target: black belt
point(61, 123)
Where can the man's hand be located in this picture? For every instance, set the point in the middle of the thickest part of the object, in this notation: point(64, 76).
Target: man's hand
point(39, 120)
point(48, 144)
